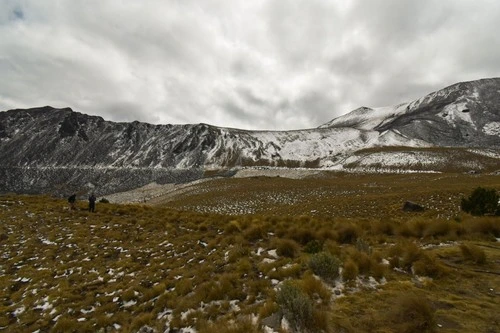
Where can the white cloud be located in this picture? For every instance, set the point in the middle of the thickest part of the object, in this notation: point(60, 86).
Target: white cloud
point(265, 64)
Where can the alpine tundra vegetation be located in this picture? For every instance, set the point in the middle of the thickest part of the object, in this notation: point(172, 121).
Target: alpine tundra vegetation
point(329, 264)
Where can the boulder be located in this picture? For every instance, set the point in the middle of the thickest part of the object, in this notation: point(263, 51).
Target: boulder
point(412, 207)
point(273, 321)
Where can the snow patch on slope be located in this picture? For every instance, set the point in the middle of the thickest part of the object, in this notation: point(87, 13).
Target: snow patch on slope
point(368, 118)
point(397, 159)
point(492, 128)
point(457, 111)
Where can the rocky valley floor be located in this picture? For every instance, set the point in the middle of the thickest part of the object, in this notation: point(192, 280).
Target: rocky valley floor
point(313, 253)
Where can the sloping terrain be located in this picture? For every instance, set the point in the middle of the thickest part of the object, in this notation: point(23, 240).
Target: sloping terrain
point(59, 150)
point(323, 194)
point(351, 261)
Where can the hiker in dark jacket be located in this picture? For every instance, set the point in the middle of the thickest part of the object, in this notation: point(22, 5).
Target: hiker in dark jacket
point(72, 201)
point(92, 200)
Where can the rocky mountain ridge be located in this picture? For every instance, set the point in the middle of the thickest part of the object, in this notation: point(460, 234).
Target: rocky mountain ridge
point(45, 148)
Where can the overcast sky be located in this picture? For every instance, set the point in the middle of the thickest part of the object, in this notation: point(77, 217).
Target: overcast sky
point(251, 64)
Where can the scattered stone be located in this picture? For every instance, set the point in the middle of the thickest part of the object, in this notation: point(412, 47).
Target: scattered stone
point(412, 207)
point(273, 321)
point(146, 329)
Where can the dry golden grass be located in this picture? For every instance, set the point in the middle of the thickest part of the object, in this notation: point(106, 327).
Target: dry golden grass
point(128, 266)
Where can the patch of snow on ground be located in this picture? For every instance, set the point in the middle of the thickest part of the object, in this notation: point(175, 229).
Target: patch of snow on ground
point(129, 303)
point(273, 253)
point(19, 311)
point(492, 128)
point(397, 159)
point(432, 246)
point(46, 241)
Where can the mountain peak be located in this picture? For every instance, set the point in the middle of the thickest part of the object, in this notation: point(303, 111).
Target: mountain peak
point(479, 99)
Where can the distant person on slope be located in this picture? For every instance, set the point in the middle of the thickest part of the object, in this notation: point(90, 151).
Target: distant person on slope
point(92, 200)
point(72, 201)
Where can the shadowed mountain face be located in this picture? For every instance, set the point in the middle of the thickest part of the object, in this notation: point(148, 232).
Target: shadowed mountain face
point(61, 150)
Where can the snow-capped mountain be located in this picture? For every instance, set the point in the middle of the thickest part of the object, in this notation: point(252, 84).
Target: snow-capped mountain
point(47, 148)
point(463, 115)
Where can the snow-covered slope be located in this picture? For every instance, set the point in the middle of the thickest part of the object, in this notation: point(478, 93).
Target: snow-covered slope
point(463, 115)
point(52, 148)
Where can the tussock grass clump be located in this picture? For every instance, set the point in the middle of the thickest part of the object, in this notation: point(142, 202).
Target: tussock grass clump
point(439, 228)
point(315, 289)
point(183, 286)
point(361, 259)
point(404, 254)
point(141, 320)
point(347, 233)
point(410, 253)
point(237, 252)
point(233, 227)
point(384, 227)
point(326, 233)
point(296, 306)
point(483, 226)
point(325, 265)
point(411, 258)
point(268, 308)
point(412, 313)
point(350, 271)
point(301, 235)
point(363, 246)
point(254, 233)
point(428, 265)
point(473, 252)
point(287, 248)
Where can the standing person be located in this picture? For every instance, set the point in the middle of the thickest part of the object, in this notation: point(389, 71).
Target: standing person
point(92, 200)
point(72, 201)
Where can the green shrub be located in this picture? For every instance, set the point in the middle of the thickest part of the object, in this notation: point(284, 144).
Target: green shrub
point(324, 265)
point(482, 201)
point(363, 246)
point(296, 306)
point(313, 246)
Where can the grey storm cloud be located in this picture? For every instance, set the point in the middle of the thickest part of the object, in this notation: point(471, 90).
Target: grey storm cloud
point(263, 64)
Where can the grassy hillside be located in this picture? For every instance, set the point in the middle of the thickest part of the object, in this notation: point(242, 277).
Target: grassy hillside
point(336, 254)
point(330, 194)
